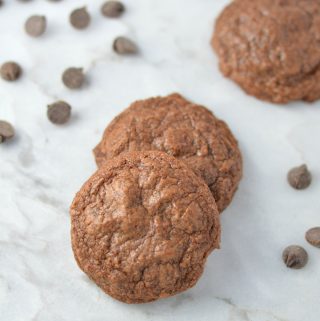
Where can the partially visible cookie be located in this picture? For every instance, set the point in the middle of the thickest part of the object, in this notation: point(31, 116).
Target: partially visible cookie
point(143, 226)
point(187, 131)
point(271, 48)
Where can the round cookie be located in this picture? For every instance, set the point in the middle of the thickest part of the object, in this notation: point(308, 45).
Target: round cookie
point(187, 131)
point(271, 48)
point(143, 226)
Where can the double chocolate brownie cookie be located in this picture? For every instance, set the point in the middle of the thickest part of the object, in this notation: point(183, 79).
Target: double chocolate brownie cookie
point(184, 130)
point(143, 226)
point(271, 48)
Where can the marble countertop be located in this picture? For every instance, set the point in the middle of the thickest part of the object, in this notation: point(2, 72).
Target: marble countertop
point(43, 167)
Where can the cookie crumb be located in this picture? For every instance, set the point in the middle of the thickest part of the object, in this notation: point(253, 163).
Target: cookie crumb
point(299, 177)
point(112, 9)
point(313, 236)
point(295, 257)
point(36, 25)
point(80, 18)
point(59, 112)
point(123, 46)
point(6, 131)
point(10, 71)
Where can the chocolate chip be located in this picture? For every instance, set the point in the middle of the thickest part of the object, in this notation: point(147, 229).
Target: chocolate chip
point(123, 45)
point(10, 71)
point(73, 78)
point(6, 131)
point(80, 18)
point(299, 177)
point(295, 257)
point(1, 3)
point(313, 236)
point(36, 25)
point(112, 9)
point(59, 112)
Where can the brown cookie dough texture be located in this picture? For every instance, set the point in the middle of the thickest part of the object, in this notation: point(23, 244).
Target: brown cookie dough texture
point(271, 48)
point(181, 129)
point(143, 226)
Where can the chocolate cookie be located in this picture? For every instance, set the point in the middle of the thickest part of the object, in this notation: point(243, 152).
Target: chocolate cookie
point(143, 226)
point(181, 129)
point(271, 48)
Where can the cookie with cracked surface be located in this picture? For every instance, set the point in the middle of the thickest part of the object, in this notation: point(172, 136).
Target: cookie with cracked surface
point(271, 48)
point(184, 130)
point(143, 226)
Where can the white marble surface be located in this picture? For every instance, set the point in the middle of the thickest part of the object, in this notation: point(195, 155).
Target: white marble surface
point(45, 165)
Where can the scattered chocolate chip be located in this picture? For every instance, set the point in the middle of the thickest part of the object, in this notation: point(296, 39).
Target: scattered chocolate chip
point(112, 9)
point(80, 18)
point(123, 45)
point(59, 112)
point(36, 25)
point(313, 236)
point(10, 71)
point(295, 257)
point(299, 177)
point(73, 78)
point(1, 3)
point(6, 131)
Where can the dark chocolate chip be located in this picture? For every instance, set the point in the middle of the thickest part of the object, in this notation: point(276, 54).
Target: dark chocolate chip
point(10, 71)
point(299, 177)
point(80, 18)
point(59, 112)
point(123, 45)
point(73, 78)
point(36, 25)
point(295, 257)
point(313, 236)
point(6, 131)
point(112, 9)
